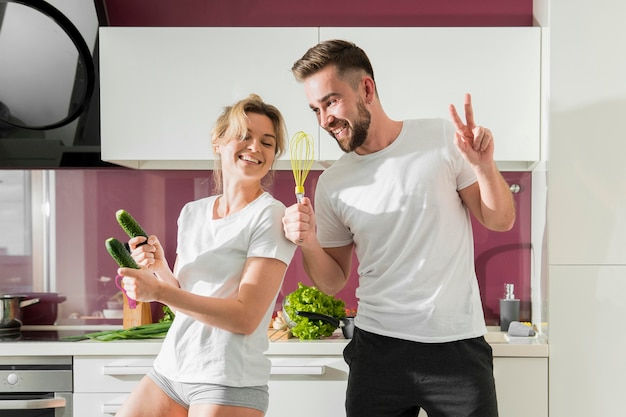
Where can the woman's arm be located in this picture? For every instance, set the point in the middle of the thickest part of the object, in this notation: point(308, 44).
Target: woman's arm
point(259, 285)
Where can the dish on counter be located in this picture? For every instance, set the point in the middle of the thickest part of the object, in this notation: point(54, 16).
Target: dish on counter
point(113, 314)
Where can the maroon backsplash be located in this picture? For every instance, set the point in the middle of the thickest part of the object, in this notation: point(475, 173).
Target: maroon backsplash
point(156, 197)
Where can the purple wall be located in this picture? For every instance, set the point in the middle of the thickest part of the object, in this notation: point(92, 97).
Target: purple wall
point(156, 197)
point(292, 13)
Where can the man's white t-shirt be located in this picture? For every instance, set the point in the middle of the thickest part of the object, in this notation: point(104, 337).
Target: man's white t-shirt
point(412, 234)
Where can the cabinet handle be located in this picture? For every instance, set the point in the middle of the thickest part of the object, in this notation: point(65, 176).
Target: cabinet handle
point(125, 370)
point(32, 404)
point(276, 370)
point(111, 409)
point(298, 370)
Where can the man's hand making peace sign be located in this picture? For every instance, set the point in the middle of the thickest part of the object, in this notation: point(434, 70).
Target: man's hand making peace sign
point(474, 142)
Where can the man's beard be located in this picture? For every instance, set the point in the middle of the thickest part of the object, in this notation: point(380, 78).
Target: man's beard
point(359, 130)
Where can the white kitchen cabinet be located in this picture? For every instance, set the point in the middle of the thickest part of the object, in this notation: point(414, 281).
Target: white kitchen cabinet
point(163, 88)
point(98, 404)
point(521, 387)
point(420, 71)
point(102, 383)
point(308, 386)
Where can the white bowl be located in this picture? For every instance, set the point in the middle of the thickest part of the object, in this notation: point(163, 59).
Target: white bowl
point(114, 305)
point(113, 314)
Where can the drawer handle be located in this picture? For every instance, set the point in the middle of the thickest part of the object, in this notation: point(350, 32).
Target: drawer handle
point(111, 409)
point(32, 404)
point(125, 370)
point(298, 370)
point(276, 370)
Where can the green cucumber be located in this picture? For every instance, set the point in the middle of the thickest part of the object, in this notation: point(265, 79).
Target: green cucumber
point(120, 254)
point(130, 225)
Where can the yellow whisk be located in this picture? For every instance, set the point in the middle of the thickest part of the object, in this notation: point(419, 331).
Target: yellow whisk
point(301, 151)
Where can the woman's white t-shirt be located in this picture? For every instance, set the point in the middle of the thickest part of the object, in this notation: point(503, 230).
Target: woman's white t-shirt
point(211, 257)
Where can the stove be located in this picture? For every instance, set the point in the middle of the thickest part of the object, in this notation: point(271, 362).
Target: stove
point(40, 336)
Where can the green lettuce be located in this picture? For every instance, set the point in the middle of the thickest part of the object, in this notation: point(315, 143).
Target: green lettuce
point(311, 299)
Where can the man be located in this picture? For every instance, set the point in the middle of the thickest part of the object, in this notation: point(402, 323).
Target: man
point(401, 197)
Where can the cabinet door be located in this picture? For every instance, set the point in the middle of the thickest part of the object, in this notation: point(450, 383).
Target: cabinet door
point(420, 71)
point(109, 373)
point(521, 386)
point(308, 386)
point(163, 88)
point(98, 404)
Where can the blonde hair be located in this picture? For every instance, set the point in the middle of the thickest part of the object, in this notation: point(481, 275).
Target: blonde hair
point(233, 124)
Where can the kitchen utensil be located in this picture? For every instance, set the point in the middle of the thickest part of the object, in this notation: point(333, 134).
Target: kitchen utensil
point(11, 310)
point(132, 304)
point(345, 323)
point(301, 152)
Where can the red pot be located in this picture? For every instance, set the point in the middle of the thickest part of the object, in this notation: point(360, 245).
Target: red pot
point(43, 312)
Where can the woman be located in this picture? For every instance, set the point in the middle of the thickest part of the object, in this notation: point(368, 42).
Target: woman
point(231, 260)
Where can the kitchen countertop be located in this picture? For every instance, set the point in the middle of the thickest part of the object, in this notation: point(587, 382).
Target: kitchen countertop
point(501, 343)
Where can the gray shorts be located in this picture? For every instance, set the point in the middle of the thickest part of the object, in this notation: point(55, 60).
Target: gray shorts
point(186, 394)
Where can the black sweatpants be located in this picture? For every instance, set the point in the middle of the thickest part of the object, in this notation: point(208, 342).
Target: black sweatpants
point(392, 377)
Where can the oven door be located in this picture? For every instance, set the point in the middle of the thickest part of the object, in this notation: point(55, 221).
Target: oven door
point(57, 404)
point(36, 386)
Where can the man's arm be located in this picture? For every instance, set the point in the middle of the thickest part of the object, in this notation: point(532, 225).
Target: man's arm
point(328, 268)
point(490, 200)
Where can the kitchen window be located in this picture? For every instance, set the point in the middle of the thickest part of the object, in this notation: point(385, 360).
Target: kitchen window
point(26, 206)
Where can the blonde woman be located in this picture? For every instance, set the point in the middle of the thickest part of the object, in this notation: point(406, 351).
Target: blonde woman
point(231, 259)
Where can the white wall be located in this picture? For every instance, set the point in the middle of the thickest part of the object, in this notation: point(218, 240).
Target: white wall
point(586, 207)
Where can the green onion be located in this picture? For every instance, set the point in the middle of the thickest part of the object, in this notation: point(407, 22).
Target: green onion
point(146, 331)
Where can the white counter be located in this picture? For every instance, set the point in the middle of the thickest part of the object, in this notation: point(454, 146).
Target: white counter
point(502, 345)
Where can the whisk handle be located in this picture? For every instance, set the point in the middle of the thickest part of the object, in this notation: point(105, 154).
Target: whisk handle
point(299, 193)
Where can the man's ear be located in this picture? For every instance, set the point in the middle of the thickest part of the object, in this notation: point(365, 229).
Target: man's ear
point(370, 89)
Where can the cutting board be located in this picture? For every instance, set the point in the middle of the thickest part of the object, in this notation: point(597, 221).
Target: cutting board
point(275, 335)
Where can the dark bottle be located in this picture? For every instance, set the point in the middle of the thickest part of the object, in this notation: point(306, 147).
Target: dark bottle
point(509, 307)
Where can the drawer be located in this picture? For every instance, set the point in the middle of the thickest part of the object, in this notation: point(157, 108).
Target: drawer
point(324, 378)
point(109, 373)
point(98, 405)
point(312, 368)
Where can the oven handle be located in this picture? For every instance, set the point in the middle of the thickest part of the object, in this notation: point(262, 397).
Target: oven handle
point(36, 404)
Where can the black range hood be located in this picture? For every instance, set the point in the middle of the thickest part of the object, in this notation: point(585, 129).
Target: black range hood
point(40, 153)
point(29, 138)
